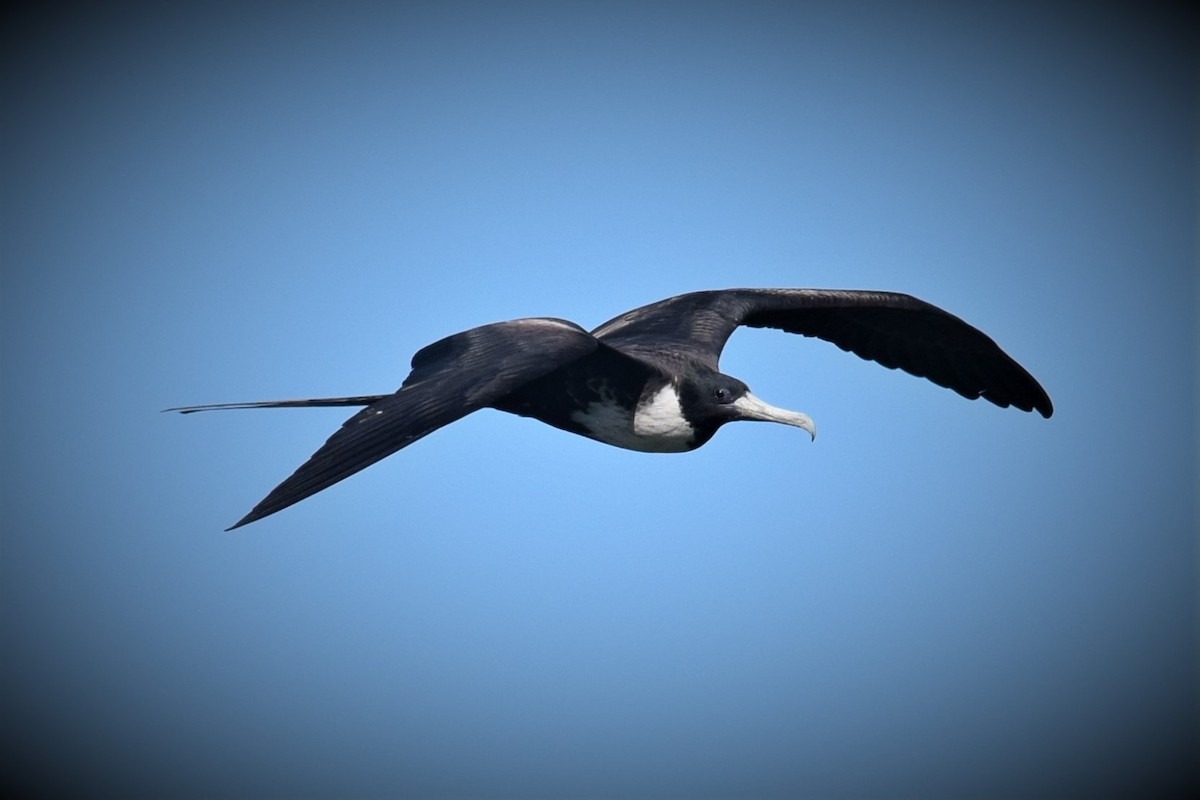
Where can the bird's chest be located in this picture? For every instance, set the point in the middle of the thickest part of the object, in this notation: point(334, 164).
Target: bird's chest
point(654, 423)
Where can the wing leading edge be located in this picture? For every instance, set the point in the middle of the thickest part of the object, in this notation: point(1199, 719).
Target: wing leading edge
point(896, 330)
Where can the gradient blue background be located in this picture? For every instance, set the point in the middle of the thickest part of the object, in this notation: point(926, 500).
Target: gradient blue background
point(938, 598)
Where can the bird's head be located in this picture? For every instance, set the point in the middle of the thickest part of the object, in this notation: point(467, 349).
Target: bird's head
point(711, 399)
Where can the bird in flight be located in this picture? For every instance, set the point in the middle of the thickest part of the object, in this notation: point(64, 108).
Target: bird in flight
point(648, 379)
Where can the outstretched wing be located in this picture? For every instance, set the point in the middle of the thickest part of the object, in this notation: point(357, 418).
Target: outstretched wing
point(895, 330)
point(449, 379)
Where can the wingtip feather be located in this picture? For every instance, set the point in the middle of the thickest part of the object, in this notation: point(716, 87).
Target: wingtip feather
point(246, 520)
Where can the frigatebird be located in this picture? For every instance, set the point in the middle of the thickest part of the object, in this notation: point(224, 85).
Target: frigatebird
point(648, 379)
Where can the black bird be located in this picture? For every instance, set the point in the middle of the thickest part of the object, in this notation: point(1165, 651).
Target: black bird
point(648, 379)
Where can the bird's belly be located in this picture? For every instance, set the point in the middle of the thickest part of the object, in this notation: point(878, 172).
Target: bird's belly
point(656, 426)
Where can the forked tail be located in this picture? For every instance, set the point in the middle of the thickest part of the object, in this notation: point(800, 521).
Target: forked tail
point(360, 400)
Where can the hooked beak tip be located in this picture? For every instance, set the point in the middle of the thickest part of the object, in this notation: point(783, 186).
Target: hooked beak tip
point(755, 409)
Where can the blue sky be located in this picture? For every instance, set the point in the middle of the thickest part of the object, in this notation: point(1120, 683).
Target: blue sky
point(937, 598)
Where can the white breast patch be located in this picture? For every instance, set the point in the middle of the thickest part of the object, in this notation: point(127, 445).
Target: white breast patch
point(661, 417)
point(657, 426)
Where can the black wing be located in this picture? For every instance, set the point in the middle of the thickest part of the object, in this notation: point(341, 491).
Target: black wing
point(895, 330)
point(449, 379)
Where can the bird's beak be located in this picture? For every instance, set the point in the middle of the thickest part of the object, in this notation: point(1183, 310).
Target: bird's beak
point(750, 407)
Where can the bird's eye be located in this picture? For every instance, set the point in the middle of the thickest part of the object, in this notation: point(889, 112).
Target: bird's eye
point(722, 394)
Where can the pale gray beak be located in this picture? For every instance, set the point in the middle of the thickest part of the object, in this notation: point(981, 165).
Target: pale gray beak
point(750, 407)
